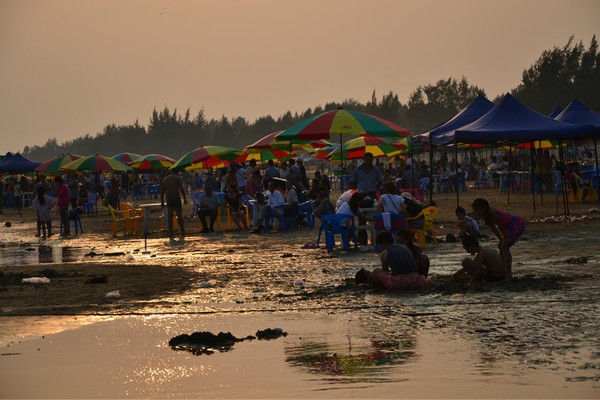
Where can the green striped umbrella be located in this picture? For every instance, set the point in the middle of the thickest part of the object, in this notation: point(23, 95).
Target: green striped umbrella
point(96, 163)
point(207, 157)
point(342, 122)
point(55, 164)
point(126, 157)
point(152, 162)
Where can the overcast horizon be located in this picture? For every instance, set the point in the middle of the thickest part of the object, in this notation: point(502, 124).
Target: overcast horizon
point(69, 67)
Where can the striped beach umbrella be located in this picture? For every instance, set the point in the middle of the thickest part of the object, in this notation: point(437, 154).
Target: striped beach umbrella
point(342, 122)
point(55, 164)
point(152, 162)
point(126, 157)
point(379, 147)
point(96, 162)
point(207, 157)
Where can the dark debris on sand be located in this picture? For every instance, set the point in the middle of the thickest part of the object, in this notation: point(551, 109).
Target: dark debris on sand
point(207, 342)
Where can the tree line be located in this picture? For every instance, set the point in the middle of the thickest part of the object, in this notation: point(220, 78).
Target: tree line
point(558, 76)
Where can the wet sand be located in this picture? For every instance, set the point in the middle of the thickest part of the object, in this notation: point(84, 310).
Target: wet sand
point(535, 337)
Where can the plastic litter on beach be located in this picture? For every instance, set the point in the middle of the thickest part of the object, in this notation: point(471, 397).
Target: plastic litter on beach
point(36, 280)
point(114, 294)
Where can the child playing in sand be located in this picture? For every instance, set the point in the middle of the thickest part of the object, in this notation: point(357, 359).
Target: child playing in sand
point(406, 238)
point(399, 270)
point(507, 227)
point(466, 224)
point(487, 264)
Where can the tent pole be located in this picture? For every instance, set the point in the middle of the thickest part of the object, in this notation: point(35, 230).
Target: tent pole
point(430, 170)
point(563, 179)
point(508, 183)
point(597, 170)
point(532, 155)
point(456, 169)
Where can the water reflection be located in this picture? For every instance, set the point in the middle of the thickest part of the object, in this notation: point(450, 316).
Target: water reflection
point(45, 254)
point(359, 358)
point(28, 253)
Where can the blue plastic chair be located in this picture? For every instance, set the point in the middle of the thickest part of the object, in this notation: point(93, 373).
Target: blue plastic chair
point(91, 205)
point(269, 220)
point(338, 224)
point(305, 210)
point(74, 216)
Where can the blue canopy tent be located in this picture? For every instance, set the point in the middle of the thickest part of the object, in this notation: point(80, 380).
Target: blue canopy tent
point(444, 133)
point(577, 113)
point(16, 163)
point(511, 121)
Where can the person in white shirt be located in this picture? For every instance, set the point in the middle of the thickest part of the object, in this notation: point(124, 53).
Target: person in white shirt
point(275, 206)
point(391, 201)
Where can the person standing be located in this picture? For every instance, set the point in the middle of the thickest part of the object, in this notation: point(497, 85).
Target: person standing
point(170, 187)
point(368, 179)
point(62, 201)
point(42, 204)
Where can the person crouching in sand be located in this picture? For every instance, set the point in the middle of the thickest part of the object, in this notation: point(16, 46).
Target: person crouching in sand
point(506, 226)
point(486, 266)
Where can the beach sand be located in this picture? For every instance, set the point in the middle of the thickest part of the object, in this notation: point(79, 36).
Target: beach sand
point(535, 337)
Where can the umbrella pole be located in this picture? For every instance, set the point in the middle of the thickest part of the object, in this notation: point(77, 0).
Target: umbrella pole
point(342, 165)
point(541, 180)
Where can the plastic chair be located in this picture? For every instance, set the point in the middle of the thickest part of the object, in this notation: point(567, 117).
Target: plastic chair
point(229, 224)
point(91, 205)
point(338, 224)
point(305, 210)
point(75, 217)
point(218, 218)
point(269, 220)
point(428, 214)
point(116, 221)
point(132, 220)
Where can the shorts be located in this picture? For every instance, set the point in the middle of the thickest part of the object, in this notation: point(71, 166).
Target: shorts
point(515, 227)
point(174, 201)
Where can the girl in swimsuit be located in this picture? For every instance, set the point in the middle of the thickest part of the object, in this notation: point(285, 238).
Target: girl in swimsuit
point(506, 226)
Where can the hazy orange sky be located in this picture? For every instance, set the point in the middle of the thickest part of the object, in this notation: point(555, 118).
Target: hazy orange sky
point(70, 67)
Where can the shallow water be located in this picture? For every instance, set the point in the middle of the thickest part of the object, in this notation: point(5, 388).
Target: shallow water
point(538, 337)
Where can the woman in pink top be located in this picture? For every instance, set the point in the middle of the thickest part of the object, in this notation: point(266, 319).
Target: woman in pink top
point(63, 200)
point(506, 226)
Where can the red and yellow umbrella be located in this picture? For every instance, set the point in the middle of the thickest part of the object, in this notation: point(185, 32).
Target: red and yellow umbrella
point(96, 163)
point(207, 157)
point(152, 162)
point(55, 164)
point(272, 142)
point(379, 147)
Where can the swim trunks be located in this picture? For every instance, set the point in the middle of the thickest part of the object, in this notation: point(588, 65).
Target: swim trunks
point(173, 201)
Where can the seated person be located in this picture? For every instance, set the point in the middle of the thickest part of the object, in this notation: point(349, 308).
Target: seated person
point(466, 224)
point(274, 206)
point(406, 238)
point(486, 266)
point(322, 205)
point(233, 202)
point(351, 207)
point(208, 207)
point(344, 197)
point(396, 259)
point(413, 208)
point(391, 201)
point(291, 199)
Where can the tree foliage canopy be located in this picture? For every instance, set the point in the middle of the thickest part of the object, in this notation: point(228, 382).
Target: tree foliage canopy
point(557, 77)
